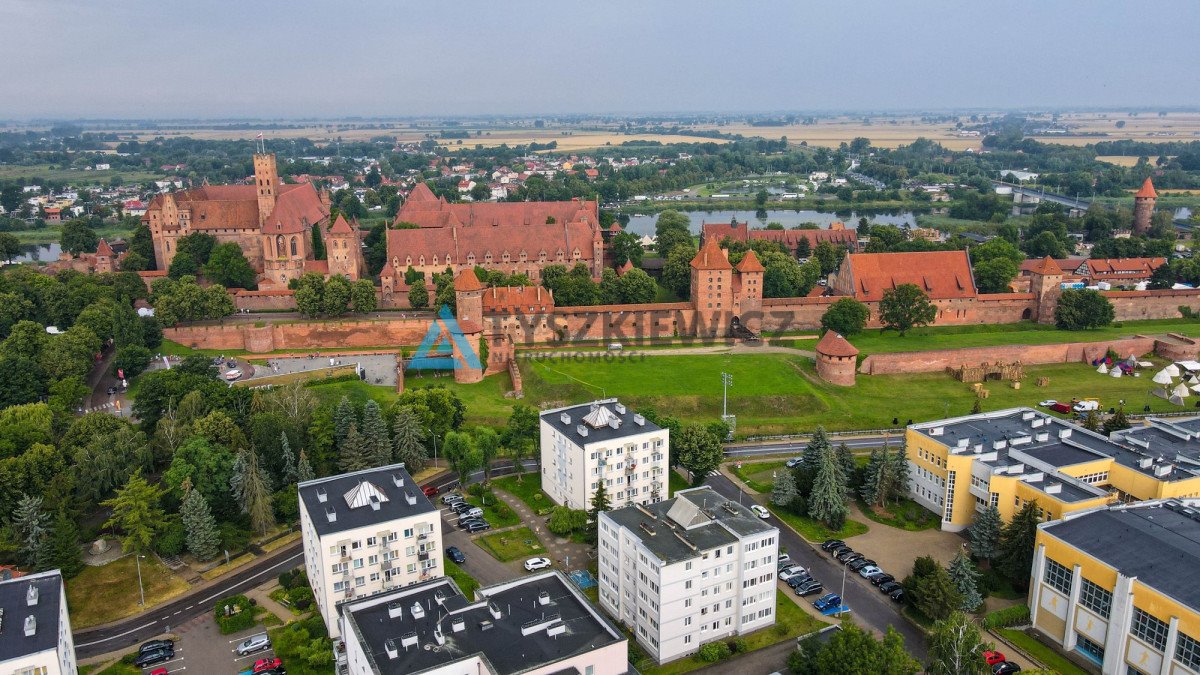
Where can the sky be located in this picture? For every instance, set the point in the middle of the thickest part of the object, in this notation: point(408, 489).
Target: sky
point(72, 59)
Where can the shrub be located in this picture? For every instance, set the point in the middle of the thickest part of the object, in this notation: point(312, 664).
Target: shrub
point(233, 614)
point(739, 646)
point(560, 521)
point(1009, 616)
point(301, 597)
point(713, 651)
point(172, 539)
point(288, 579)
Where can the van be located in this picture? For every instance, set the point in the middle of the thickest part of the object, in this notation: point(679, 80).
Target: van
point(615, 347)
point(254, 643)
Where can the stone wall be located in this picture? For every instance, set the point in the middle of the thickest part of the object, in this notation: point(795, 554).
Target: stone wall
point(301, 335)
point(1162, 304)
point(257, 301)
point(940, 359)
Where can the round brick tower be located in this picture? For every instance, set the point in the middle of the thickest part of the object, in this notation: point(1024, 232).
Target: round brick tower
point(1143, 207)
point(837, 360)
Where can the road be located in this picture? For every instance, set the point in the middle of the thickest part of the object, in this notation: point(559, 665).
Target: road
point(868, 607)
point(797, 447)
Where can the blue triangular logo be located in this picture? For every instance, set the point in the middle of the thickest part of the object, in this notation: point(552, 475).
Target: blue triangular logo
point(436, 353)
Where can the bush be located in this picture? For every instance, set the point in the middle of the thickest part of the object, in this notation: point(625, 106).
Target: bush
point(713, 652)
point(738, 646)
point(301, 597)
point(1016, 615)
point(172, 539)
point(132, 360)
point(288, 579)
point(233, 614)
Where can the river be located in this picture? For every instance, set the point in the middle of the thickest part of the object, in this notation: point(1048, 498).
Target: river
point(40, 252)
point(644, 224)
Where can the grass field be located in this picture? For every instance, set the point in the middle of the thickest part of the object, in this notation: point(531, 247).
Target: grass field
point(527, 488)
point(52, 233)
point(1050, 658)
point(102, 594)
point(904, 515)
point(760, 476)
point(512, 544)
point(71, 175)
point(884, 132)
point(466, 582)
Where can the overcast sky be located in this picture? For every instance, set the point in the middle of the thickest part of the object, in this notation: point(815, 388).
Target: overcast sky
point(264, 58)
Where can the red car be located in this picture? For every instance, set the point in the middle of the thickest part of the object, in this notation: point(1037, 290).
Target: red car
point(993, 658)
point(160, 671)
point(429, 490)
point(267, 664)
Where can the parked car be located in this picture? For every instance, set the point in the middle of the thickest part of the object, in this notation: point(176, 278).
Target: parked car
point(830, 543)
point(461, 507)
point(848, 556)
point(897, 595)
point(467, 522)
point(1047, 403)
point(1086, 405)
point(888, 587)
point(868, 571)
point(156, 644)
point(112, 390)
point(160, 671)
point(1061, 408)
point(793, 462)
point(798, 579)
point(860, 563)
point(1005, 668)
point(451, 498)
point(809, 587)
point(456, 555)
point(473, 512)
point(760, 511)
point(880, 578)
point(784, 557)
point(478, 526)
point(233, 374)
point(153, 656)
point(266, 664)
point(429, 490)
point(791, 572)
point(536, 564)
point(993, 657)
point(828, 601)
point(254, 643)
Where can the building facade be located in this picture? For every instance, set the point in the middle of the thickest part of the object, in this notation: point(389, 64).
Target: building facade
point(534, 625)
point(1111, 586)
point(364, 533)
point(35, 628)
point(687, 571)
point(585, 445)
point(837, 234)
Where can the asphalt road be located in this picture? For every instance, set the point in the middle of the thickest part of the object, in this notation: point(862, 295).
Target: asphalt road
point(796, 447)
point(868, 607)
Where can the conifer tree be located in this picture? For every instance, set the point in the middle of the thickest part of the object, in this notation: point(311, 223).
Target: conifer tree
point(784, 491)
point(827, 502)
point(408, 439)
point(811, 460)
point(343, 417)
point(255, 497)
point(353, 455)
point(63, 551)
point(1117, 422)
point(966, 579)
point(136, 512)
point(899, 474)
point(378, 447)
point(872, 475)
point(985, 534)
point(203, 540)
point(31, 526)
point(600, 504)
point(1015, 557)
point(304, 470)
point(287, 459)
point(846, 463)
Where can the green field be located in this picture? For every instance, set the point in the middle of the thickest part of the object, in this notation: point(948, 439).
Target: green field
point(512, 544)
point(69, 175)
point(1025, 333)
point(54, 233)
point(1050, 658)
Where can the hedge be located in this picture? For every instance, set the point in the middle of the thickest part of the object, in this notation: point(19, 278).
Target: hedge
point(241, 619)
point(1016, 615)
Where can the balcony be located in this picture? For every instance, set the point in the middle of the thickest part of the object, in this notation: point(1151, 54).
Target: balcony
point(631, 468)
point(423, 555)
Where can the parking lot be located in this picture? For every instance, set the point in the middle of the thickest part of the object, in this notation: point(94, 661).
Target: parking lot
point(200, 648)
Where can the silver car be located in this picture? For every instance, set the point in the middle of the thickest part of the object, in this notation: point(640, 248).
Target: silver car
point(254, 643)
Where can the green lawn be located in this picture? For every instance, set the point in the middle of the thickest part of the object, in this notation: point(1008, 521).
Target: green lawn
point(813, 530)
point(118, 668)
point(512, 544)
point(952, 337)
point(109, 592)
point(675, 483)
point(904, 515)
point(528, 488)
point(1041, 652)
point(495, 511)
point(466, 582)
point(758, 475)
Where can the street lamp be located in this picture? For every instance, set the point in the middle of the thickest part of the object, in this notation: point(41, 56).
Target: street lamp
point(726, 383)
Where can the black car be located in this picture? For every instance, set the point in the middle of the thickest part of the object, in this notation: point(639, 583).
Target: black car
point(478, 527)
point(838, 550)
point(889, 587)
point(1005, 668)
point(830, 543)
point(798, 580)
point(456, 555)
point(860, 563)
point(112, 390)
point(461, 507)
point(880, 578)
point(847, 557)
point(156, 644)
point(153, 656)
point(810, 587)
point(897, 595)
point(468, 522)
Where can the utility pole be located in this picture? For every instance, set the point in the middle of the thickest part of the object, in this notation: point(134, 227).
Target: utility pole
point(726, 383)
point(137, 557)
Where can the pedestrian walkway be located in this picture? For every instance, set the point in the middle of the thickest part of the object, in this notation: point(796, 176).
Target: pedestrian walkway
point(562, 550)
point(262, 595)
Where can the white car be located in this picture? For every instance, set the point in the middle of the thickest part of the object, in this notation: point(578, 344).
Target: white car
point(868, 571)
point(793, 571)
point(233, 374)
point(1047, 403)
point(536, 564)
point(760, 511)
point(1084, 406)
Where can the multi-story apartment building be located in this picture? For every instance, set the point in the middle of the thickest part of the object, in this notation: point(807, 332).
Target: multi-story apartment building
point(1113, 586)
point(686, 571)
point(1010, 457)
point(603, 441)
point(35, 629)
point(533, 625)
point(364, 533)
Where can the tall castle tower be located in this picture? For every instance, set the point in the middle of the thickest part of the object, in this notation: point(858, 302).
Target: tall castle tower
point(266, 180)
point(712, 289)
point(1045, 282)
point(343, 251)
point(747, 292)
point(1143, 207)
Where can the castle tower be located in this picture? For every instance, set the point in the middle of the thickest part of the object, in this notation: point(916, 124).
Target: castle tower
point(105, 258)
point(712, 290)
point(1143, 207)
point(747, 292)
point(266, 180)
point(1045, 282)
point(468, 297)
point(837, 360)
point(343, 252)
point(597, 254)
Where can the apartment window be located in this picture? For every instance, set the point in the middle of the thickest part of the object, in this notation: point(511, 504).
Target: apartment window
point(1149, 629)
point(687, 620)
point(687, 584)
point(1187, 651)
point(1057, 576)
point(360, 581)
point(1095, 598)
point(408, 533)
point(687, 639)
point(1096, 651)
point(339, 586)
point(370, 541)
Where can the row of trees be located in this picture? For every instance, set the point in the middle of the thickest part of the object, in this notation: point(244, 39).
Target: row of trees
point(576, 288)
point(318, 296)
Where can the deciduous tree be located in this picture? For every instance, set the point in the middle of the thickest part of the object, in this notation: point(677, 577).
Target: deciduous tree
point(846, 317)
point(905, 307)
point(1082, 309)
point(136, 513)
point(699, 452)
point(956, 647)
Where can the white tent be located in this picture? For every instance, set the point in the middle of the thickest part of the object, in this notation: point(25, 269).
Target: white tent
point(1116, 372)
point(1193, 380)
point(1146, 364)
point(1196, 388)
point(1162, 377)
point(1172, 370)
point(1181, 391)
point(1176, 400)
point(1103, 369)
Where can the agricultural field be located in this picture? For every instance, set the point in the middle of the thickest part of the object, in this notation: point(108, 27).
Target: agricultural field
point(884, 132)
point(1147, 126)
point(72, 175)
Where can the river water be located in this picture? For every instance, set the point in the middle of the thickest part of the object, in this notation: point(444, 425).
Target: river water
point(644, 224)
point(40, 252)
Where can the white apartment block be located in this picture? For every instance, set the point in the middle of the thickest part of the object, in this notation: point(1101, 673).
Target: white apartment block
point(364, 533)
point(533, 625)
point(585, 444)
point(687, 571)
point(35, 629)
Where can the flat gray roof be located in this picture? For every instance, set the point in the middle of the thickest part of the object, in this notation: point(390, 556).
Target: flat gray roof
point(627, 422)
point(498, 640)
point(718, 522)
point(15, 608)
point(1157, 542)
point(1175, 440)
point(390, 487)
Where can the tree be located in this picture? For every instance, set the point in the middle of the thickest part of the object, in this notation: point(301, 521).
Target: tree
point(253, 494)
point(626, 247)
point(845, 317)
point(287, 459)
point(408, 439)
point(905, 307)
point(828, 256)
point(10, 246)
point(874, 478)
point(699, 451)
point(810, 461)
point(966, 579)
point(31, 527)
point(784, 492)
point(462, 455)
point(78, 238)
point(183, 265)
point(136, 513)
point(304, 470)
point(310, 294)
point(336, 298)
point(635, 287)
point(600, 504)
point(353, 453)
point(362, 296)
point(1081, 309)
point(520, 433)
point(131, 360)
point(1044, 244)
point(956, 647)
point(1015, 555)
point(899, 472)
point(994, 276)
point(343, 418)
point(487, 441)
point(228, 266)
point(1118, 422)
point(62, 549)
point(994, 249)
point(672, 230)
point(936, 595)
point(203, 539)
point(985, 534)
point(853, 650)
point(378, 447)
point(827, 501)
point(677, 270)
point(418, 295)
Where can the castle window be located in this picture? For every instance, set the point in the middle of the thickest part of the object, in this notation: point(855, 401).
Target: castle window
point(293, 246)
point(448, 260)
point(421, 260)
point(523, 256)
point(408, 260)
point(504, 257)
point(395, 262)
point(435, 259)
point(470, 258)
point(542, 256)
point(279, 245)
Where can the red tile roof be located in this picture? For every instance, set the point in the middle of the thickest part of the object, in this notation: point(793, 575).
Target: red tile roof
point(1147, 190)
point(1046, 267)
point(1067, 265)
point(942, 275)
point(750, 263)
point(104, 249)
point(711, 257)
point(788, 238)
point(1113, 268)
point(517, 299)
point(833, 344)
point(340, 226)
point(625, 268)
point(220, 207)
point(467, 281)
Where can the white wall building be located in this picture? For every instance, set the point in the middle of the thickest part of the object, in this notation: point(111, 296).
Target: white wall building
point(602, 441)
point(366, 532)
point(687, 571)
point(35, 629)
point(533, 625)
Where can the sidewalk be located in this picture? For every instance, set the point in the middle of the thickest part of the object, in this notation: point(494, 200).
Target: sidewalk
point(262, 595)
point(560, 549)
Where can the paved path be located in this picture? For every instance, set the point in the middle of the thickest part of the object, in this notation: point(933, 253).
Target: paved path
point(739, 348)
point(565, 554)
